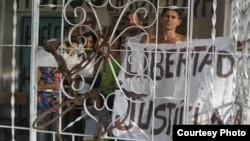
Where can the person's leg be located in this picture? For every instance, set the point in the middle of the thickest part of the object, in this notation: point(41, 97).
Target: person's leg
point(78, 126)
point(110, 106)
point(40, 135)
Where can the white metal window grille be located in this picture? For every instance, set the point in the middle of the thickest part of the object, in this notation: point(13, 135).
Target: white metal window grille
point(159, 83)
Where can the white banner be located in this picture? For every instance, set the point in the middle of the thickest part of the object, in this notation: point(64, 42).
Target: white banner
point(171, 84)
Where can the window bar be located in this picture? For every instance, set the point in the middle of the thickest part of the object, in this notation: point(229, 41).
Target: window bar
point(213, 36)
point(13, 72)
point(235, 34)
point(34, 45)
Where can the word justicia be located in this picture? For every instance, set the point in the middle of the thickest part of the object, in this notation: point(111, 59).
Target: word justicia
point(168, 113)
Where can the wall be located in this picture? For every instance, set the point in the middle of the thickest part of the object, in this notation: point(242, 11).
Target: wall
point(202, 12)
point(203, 23)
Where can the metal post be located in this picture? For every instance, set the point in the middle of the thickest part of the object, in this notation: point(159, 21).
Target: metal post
point(34, 45)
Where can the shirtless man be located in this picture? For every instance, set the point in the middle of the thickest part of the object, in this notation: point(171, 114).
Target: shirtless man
point(170, 20)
